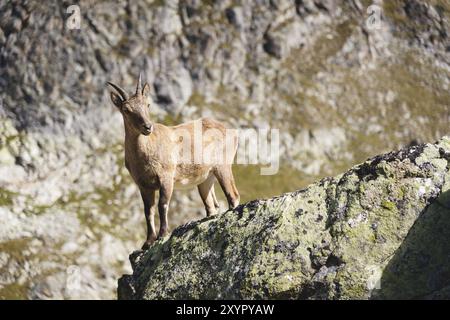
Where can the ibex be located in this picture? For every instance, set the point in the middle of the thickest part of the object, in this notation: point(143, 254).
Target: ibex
point(155, 156)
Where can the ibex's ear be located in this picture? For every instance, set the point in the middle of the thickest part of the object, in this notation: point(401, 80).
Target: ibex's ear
point(146, 90)
point(116, 99)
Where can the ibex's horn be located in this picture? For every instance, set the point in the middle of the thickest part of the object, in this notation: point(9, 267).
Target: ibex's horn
point(139, 85)
point(122, 92)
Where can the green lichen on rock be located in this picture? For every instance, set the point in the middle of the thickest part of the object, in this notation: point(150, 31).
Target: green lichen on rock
point(380, 230)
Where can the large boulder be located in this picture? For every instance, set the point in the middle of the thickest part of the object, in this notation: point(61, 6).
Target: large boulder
point(380, 230)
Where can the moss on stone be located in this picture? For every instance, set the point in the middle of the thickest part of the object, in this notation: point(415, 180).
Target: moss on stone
point(6, 197)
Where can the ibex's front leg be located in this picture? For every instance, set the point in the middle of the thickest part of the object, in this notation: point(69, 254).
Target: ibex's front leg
point(165, 193)
point(148, 196)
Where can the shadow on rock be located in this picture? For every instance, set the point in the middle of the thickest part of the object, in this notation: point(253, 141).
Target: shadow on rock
point(420, 268)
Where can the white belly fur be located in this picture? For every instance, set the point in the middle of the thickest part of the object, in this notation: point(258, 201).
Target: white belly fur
point(189, 183)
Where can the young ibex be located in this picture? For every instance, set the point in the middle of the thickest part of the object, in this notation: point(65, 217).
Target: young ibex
point(163, 158)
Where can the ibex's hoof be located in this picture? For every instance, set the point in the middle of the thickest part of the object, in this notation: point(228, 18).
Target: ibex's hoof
point(147, 245)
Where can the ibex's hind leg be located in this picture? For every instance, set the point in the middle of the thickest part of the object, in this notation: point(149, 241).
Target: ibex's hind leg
point(206, 190)
point(236, 192)
point(213, 193)
point(148, 197)
point(225, 177)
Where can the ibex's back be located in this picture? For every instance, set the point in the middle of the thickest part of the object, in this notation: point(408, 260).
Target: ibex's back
point(183, 156)
point(201, 146)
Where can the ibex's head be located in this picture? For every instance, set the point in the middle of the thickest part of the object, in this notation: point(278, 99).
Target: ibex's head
point(134, 109)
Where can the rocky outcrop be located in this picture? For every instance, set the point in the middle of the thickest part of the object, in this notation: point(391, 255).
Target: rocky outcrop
point(380, 230)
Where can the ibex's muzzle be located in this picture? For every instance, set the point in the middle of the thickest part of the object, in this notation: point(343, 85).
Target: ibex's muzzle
point(147, 129)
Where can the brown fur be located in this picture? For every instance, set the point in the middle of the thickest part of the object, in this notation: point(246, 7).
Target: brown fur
point(153, 156)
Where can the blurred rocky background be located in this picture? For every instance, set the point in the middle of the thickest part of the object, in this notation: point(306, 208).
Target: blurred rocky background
point(338, 89)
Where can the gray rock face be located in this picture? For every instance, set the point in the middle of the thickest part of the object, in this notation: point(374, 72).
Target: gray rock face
point(337, 91)
point(379, 230)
